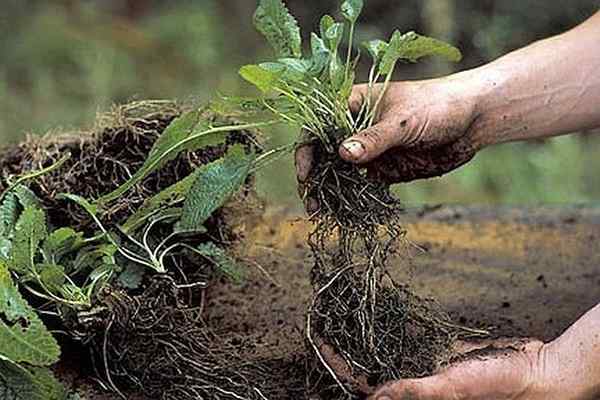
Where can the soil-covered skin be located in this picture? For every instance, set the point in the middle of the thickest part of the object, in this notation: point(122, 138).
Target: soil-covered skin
point(517, 272)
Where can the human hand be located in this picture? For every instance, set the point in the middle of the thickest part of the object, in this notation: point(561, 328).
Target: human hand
point(491, 370)
point(424, 129)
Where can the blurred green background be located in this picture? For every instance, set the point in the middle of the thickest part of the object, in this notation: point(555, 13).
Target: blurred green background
point(63, 61)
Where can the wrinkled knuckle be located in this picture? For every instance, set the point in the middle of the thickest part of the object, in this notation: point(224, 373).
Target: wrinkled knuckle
point(375, 137)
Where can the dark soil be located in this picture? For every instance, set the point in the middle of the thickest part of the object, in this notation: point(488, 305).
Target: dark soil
point(104, 157)
point(517, 272)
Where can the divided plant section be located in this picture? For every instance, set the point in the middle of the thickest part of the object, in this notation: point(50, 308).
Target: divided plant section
point(111, 238)
point(362, 328)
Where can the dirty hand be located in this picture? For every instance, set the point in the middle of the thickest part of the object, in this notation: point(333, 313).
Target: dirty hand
point(566, 369)
point(424, 129)
point(500, 370)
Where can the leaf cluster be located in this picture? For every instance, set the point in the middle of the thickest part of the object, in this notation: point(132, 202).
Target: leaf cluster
point(65, 269)
point(312, 91)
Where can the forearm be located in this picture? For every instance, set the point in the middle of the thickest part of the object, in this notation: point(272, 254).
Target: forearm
point(549, 88)
point(573, 360)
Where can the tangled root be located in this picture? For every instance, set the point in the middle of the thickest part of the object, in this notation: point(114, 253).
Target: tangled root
point(157, 344)
point(362, 327)
point(103, 158)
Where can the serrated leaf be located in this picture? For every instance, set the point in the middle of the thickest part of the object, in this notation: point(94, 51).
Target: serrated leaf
point(351, 9)
point(263, 78)
point(185, 133)
point(412, 46)
point(223, 263)
point(9, 213)
point(23, 336)
point(28, 383)
point(26, 197)
point(279, 27)
point(61, 242)
point(30, 231)
point(215, 184)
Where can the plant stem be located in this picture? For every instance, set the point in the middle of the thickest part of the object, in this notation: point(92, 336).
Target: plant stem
point(35, 174)
point(349, 56)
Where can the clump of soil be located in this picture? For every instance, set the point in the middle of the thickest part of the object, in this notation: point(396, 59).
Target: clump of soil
point(105, 157)
point(152, 339)
point(362, 327)
point(159, 344)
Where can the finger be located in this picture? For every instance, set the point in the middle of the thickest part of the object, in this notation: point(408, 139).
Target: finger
point(370, 143)
point(304, 161)
point(431, 388)
point(466, 348)
point(357, 97)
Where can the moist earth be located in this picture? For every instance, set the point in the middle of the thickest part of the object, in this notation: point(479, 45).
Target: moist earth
point(515, 271)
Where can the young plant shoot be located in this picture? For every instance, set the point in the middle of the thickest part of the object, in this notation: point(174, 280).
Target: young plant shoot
point(362, 328)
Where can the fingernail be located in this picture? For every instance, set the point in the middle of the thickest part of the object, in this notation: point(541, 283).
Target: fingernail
point(354, 149)
point(384, 398)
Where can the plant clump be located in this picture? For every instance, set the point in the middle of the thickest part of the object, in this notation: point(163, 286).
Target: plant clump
point(114, 237)
point(362, 328)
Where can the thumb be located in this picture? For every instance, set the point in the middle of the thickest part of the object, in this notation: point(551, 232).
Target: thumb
point(370, 143)
point(430, 388)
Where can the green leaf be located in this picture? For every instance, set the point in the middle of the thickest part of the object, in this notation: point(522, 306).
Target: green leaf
point(320, 55)
point(223, 263)
point(23, 336)
point(376, 49)
point(336, 72)
point(92, 257)
point(132, 276)
point(279, 27)
point(261, 77)
point(333, 36)
point(411, 47)
point(241, 107)
point(327, 21)
point(215, 184)
point(185, 133)
point(168, 197)
point(29, 233)
point(9, 213)
point(28, 383)
point(26, 197)
point(351, 9)
point(296, 69)
point(52, 276)
point(61, 242)
point(90, 208)
point(5, 248)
